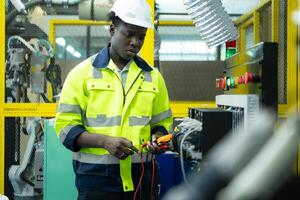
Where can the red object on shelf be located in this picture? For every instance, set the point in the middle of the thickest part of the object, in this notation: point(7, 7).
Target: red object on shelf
point(248, 77)
point(231, 44)
point(241, 80)
point(222, 83)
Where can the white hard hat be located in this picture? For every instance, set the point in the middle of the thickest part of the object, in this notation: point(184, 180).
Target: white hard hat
point(136, 12)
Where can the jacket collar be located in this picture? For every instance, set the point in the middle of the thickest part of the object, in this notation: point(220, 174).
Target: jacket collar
point(103, 57)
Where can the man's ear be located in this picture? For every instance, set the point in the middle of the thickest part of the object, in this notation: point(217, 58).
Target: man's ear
point(112, 29)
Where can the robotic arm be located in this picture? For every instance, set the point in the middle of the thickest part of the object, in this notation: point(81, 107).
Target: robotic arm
point(27, 178)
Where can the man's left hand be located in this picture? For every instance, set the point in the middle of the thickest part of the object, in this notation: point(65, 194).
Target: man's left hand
point(153, 146)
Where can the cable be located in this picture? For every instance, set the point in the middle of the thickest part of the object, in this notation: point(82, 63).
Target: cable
point(187, 126)
point(53, 75)
point(46, 100)
point(141, 177)
point(143, 171)
point(181, 157)
point(34, 46)
point(27, 44)
point(152, 178)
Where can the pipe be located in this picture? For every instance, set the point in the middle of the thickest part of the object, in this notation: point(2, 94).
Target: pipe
point(33, 3)
point(19, 6)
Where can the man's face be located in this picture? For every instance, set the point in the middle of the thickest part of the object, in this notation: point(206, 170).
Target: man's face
point(127, 39)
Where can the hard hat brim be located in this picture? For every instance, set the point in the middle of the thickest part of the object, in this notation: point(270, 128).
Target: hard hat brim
point(136, 22)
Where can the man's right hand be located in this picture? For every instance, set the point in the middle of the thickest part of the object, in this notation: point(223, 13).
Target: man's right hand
point(118, 146)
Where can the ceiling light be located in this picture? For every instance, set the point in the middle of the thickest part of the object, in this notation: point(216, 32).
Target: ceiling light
point(61, 41)
point(70, 49)
point(77, 54)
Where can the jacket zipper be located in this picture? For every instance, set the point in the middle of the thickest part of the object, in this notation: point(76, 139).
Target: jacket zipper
point(124, 95)
point(123, 90)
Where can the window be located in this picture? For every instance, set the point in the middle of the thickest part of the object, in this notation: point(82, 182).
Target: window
point(183, 43)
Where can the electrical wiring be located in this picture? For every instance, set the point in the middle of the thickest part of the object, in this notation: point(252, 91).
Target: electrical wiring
point(144, 145)
point(153, 196)
point(181, 157)
point(152, 177)
point(141, 177)
point(187, 126)
point(27, 44)
point(41, 48)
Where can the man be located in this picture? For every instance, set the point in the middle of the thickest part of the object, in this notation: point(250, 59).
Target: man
point(111, 103)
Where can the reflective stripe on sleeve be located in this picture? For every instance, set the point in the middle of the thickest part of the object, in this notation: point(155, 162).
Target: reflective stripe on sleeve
point(161, 116)
point(63, 133)
point(69, 108)
point(139, 121)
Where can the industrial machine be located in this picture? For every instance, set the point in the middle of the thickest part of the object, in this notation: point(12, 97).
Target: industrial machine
point(26, 70)
point(27, 178)
point(29, 69)
point(247, 165)
point(243, 152)
point(211, 133)
point(252, 72)
point(249, 85)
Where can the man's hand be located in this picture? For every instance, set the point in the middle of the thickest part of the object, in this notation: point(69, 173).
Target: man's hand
point(118, 146)
point(153, 146)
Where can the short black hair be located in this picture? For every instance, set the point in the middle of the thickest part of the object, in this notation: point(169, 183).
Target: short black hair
point(114, 19)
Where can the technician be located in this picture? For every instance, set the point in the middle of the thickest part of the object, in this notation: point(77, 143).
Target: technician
point(110, 103)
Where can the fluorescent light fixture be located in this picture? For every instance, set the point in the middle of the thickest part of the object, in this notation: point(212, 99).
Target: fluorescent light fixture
point(61, 41)
point(70, 49)
point(77, 54)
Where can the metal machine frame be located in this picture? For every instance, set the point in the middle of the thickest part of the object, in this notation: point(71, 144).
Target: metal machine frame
point(252, 19)
point(293, 64)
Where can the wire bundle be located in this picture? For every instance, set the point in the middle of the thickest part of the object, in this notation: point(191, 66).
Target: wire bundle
point(211, 21)
point(138, 188)
point(187, 127)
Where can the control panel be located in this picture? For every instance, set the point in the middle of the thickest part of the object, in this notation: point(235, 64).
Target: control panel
point(227, 83)
point(253, 71)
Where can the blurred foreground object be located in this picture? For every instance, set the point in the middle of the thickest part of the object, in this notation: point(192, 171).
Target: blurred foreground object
point(252, 164)
point(270, 168)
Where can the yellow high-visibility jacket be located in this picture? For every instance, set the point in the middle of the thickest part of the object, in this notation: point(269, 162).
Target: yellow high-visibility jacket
point(94, 100)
